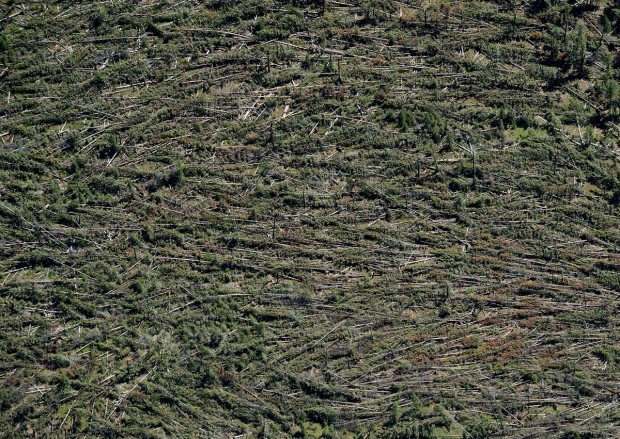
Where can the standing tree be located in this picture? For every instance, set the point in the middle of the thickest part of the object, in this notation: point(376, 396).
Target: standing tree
point(578, 49)
point(607, 28)
point(611, 92)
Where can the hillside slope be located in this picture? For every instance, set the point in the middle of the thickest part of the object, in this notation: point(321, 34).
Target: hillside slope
point(363, 218)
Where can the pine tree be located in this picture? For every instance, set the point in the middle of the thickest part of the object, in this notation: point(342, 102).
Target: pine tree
point(578, 50)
